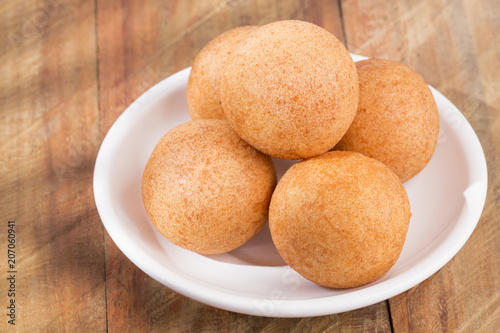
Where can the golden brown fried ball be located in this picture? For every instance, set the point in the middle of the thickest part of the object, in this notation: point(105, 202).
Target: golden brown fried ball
point(203, 92)
point(290, 89)
point(339, 219)
point(205, 189)
point(397, 121)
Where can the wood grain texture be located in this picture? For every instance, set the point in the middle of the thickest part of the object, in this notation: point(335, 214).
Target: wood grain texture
point(50, 135)
point(455, 46)
point(71, 67)
point(139, 45)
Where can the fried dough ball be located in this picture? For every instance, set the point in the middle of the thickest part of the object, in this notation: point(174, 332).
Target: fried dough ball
point(290, 89)
point(205, 189)
point(339, 219)
point(203, 88)
point(397, 121)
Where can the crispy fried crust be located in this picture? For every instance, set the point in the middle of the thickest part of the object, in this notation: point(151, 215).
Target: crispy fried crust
point(203, 88)
point(205, 189)
point(290, 89)
point(339, 219)
point(397, 121)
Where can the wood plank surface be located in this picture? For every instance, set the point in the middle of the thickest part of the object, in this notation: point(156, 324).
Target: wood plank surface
point(50, 136)
point(69, 68)
point(455, 46)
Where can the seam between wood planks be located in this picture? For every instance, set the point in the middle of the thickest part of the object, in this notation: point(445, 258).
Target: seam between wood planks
point(344, 33)
point(391, 323)
point(98, 90)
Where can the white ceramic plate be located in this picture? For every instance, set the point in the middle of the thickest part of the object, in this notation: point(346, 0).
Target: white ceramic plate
point(446, 198)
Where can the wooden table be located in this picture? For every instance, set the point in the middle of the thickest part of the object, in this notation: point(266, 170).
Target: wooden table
point(70, 67)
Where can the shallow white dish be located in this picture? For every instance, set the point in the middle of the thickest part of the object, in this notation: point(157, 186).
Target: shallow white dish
point(446, 199)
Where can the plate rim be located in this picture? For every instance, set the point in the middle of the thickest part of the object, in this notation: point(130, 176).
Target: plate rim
point(289, 308)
